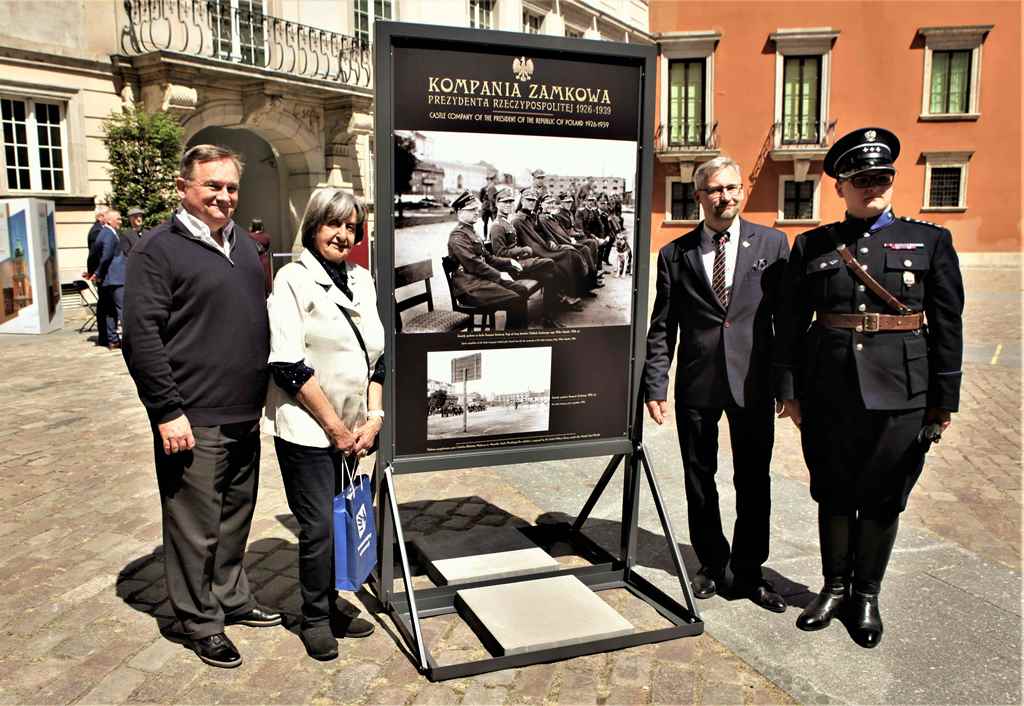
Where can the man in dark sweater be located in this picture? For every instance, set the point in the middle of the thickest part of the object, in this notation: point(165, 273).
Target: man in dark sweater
point(196, 340)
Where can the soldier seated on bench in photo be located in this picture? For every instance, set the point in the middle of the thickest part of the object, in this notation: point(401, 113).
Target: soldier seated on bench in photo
point(484, 279)
point(567, 217)
point(504, 243)
point(553, 229)
point(570, 263)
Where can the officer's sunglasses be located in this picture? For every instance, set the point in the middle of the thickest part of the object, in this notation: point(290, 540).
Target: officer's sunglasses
point(866, 181)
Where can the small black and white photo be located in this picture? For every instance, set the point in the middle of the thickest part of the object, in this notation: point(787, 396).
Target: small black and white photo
point(473, 393)
point(502, 232)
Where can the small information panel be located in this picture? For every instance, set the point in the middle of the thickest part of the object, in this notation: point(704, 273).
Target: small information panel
point(561, 120)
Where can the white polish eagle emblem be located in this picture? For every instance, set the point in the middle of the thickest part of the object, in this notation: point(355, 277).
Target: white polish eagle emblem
point(522, 68)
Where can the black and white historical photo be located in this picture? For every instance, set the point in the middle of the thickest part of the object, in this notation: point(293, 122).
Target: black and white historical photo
point(503, 232)
point(488, 392)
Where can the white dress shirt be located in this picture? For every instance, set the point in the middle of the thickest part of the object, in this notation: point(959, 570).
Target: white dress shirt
point(707, 251)
point(306, 324)
point(200, 231)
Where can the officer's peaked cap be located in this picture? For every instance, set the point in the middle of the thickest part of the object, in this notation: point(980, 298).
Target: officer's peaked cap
point(505, 193)
point(465, 200)
point(529, 193)
point(538, 173)
point(863, 150)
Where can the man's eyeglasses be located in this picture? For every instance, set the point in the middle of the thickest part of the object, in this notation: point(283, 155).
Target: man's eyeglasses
point(718, 191)
point(866, 181)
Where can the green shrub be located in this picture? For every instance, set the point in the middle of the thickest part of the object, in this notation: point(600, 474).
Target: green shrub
point(144, 150)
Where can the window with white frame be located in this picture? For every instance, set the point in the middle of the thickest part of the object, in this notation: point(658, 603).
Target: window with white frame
point(945, 181)
point(35, 153)
point(686, 101)
point(798, 200)
point(952, 72)
point(481, 14)
point(802, 78)
point(382, 10)
point(681, 206)
point(532, 22)
point(687, 83)
point(238, 30)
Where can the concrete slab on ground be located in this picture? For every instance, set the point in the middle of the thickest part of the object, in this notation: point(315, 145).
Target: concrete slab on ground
point(497, 565)
point(526, 616)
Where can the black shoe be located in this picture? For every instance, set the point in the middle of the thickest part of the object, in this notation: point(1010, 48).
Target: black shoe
point(319, 642)
point(343, 625)
point(865, 620)
point(704, 583)
point(257, 617)
point(825, 606)
point(763, 594)
point(217, 651)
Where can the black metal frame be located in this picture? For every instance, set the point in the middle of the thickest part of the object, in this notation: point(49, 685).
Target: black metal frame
point(609, 571)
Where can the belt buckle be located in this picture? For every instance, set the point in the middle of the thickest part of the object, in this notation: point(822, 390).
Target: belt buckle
point(871, 323)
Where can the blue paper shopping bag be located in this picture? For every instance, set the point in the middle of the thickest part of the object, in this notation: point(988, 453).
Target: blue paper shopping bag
point(355, 534)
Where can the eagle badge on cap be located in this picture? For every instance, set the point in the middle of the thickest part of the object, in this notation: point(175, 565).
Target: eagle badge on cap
point(522, 68)
point(870, 135)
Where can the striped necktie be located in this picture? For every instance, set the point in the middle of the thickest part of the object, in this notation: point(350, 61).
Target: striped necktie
point(718, 271)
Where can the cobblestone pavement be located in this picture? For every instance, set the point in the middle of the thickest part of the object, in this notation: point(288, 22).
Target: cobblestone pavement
point(81, 574)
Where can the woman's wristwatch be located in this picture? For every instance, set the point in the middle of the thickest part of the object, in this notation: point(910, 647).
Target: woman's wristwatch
point(375, 413)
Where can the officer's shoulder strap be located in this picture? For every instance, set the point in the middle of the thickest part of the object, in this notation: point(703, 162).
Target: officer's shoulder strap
point(924, 223)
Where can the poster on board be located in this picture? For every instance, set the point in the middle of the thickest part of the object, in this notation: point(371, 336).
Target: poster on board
point(29, 274)
point(515, 183)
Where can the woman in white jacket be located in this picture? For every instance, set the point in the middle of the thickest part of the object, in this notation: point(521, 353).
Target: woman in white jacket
point(324, 402)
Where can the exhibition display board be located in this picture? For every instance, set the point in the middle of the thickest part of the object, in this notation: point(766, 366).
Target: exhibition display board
point(476, 381)
point(29, 275)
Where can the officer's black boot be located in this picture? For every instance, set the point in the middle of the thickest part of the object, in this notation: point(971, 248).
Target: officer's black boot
point(834, 536)
point(819, 613)
point(874, 537)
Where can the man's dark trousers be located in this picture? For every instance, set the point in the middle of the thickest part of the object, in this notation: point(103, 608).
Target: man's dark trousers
point(752, 434)
point(207, 497)
point(110, 308)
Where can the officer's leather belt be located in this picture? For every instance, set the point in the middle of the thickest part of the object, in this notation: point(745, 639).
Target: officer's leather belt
point(870, 323)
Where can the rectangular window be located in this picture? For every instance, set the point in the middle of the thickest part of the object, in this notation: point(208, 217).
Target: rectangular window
point(573, 32)
point(363, 22)
point(801, 100)
point(950, 84)
point(683, 206)
point(34, 156)
point(686, 102)
point(532, 22)
point(481, 14)
point(238, 31)
point(944, 190)
point(798, 201)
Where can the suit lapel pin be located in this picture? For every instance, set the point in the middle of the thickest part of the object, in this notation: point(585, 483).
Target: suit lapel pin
point(746, 243)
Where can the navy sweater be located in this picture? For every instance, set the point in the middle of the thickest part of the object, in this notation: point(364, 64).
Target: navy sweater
point(196, 335)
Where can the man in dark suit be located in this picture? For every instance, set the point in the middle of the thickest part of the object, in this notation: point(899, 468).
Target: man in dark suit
point(716, 295)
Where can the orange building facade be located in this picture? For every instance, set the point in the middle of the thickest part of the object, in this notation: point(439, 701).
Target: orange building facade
point(773, 85)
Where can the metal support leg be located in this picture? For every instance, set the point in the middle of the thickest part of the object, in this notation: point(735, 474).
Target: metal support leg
point(666, 527)
point(385, 572)
point(630, 510)
point(410, 592)
point(595, 495)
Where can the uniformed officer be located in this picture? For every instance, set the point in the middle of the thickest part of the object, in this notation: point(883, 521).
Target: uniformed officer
point(876, 375)
point(482, 278)
point(571, 265)
point(504, 243)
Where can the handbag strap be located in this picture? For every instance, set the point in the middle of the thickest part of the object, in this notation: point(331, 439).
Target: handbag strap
point(858, 271)
point(355, 329)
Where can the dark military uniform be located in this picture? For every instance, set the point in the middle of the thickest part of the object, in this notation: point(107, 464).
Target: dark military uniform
point(478, 280)
point(505, 244)
point(866, 372)
point(571, 265)
point(552, 228)
point(863, 395)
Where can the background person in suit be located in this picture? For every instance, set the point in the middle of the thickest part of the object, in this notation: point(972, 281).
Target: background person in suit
point(109, 274)
point(863, 380)
point(716, 295)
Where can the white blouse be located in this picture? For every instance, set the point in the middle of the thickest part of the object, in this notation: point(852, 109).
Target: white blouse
point(306, 324)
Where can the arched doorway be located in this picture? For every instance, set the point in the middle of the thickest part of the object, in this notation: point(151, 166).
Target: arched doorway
point(261, 194)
